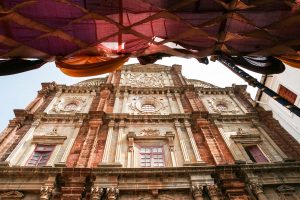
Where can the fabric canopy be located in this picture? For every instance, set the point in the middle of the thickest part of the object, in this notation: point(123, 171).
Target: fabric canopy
point(46, 28)
point(293, 61)
point(90, 65)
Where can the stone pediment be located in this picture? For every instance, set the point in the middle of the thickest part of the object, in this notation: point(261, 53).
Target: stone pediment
point(198, 83)
point(91, 82)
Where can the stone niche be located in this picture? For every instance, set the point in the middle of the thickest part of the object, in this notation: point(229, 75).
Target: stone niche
point(58, 135)
point(239, 137)
point(70, 104)
point(222, 104)
point(128, 143)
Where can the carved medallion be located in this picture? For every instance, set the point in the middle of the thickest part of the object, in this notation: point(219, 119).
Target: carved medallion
point(72, 104)
point(147, 105)
point(223, 105)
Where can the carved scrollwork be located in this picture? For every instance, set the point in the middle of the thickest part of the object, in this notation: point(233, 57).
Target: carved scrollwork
point(146, 80)
point(112, 193)
point(197, 191)
point(72, 104)
point(96, 193)
point(46, 192)
point(256, 188)
point(213, 190)
point(223, 105)
point(150, 132)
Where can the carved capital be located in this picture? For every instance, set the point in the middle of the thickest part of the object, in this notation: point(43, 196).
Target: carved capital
point(213, 190)
point(96, 193)
point(197, 191)
point(46, 192)
point(256, 188)
point(112, 193)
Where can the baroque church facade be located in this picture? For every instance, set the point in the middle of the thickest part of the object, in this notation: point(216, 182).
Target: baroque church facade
point(142, 133)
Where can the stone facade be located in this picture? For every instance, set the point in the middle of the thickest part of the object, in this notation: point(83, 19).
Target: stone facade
point(146, 132)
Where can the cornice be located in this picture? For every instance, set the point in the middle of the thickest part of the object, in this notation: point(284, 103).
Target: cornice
point(139, 118)
point(220, 118)
point(206, 169)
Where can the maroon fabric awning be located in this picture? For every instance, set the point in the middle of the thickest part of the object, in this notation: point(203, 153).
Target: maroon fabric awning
point(44, 28)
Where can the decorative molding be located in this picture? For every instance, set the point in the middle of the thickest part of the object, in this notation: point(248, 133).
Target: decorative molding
point(51, 137)
point(213, 190)
point(150, 132)
point(285, 188)
point(112, 193)
point(197, 191)
point(16, 195)
point(46, 192)
point(96, 193)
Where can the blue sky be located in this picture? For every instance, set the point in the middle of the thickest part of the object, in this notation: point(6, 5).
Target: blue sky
point(18, 90)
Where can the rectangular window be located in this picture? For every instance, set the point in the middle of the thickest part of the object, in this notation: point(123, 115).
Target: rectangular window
point(152, 157)
point(287, 94)
point(40, 155)
point(255, 154)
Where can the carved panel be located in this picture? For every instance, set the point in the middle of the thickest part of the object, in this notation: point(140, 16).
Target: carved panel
point(70, 104)
point(222, 104)
point(146, 80)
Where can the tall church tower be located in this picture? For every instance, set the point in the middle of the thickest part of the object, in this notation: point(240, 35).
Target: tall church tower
point(142, 133)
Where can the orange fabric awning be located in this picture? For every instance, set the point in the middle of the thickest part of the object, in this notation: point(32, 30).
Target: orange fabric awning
point(81, 66)
point(293, 61)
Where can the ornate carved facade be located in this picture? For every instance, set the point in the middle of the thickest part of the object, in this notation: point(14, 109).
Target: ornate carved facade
point(145, 132)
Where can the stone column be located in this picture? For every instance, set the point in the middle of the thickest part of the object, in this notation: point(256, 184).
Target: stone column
point(258, 191)
point(186, 157)
point(192, 140)
point(169, 96)
point(125, 98)
point(170, 137)
point(70, 143)
point(130, 156)
point(109, 78)
point(197, 191)
point(96, 193)
point(16, 154)
point(170, 78)
point(108, 141)
point(112, 193)
point(213, 192)
point(117, 102)
point(177, 96)
point(120, 141)
point(104, 94)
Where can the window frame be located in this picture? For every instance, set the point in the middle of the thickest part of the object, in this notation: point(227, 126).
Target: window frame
point(152, 156)
point(50, 151)
point(251, 157)
point(284, 92)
